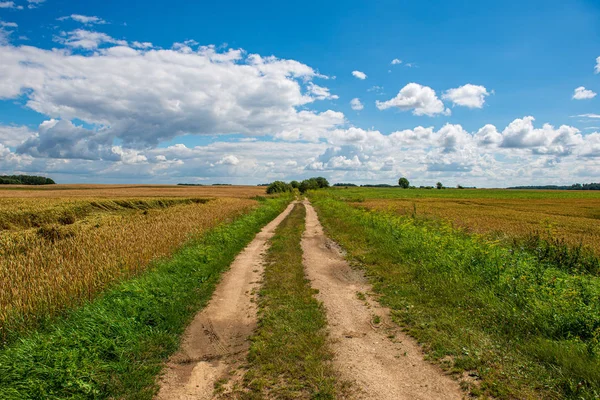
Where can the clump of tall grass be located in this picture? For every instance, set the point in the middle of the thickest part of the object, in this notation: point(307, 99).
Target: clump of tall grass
point(527, 326)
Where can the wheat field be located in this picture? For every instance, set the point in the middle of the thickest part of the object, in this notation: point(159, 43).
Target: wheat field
point(59, 248)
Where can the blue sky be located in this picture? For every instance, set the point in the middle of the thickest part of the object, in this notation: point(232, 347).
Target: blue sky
point(492, 86)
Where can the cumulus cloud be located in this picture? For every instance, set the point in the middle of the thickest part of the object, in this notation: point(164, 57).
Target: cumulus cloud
point(356, 104)
point(471, 96)
point(360, 75)
point(143, 97)
point(321, 93)
point(13, 136)
point(84, 19)
point(597, 69)
point(396, 61)
point(422, 100)
point(581, 93)
point(229, 160)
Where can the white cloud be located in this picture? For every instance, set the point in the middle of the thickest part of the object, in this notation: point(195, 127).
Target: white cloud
point(8, 24)
point(229, 160)
point(356, 104)
point(13, 136)
point(471, 96)
point(84, 19)
point(597, 69)
point(581, 93)
point(142, 45)
point(143, 97)
point(396, 61)
point(360, 75)
point(10, 4)
point(321, 93)
point(84, 39)
point(421, 99)
point(592, 116)
point(35, 3)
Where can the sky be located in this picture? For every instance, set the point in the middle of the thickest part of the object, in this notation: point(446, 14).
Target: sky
point(486, 94)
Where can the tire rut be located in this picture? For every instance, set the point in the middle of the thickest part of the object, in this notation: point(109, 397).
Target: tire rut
point(371, 352)
point(216, 342)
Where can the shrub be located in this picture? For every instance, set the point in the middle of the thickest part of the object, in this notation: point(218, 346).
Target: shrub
point(279, 187)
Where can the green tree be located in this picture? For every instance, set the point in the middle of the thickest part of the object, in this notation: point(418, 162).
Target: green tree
point(439, 185)
point(279, 187)
point(403, 183)
point(295, 184)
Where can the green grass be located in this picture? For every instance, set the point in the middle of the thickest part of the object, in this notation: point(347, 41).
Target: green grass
point(527, 328)
point(115, 346)
point(289, 357)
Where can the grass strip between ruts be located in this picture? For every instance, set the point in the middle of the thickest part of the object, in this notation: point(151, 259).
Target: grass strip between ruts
point(115, 346)
point(289, 356)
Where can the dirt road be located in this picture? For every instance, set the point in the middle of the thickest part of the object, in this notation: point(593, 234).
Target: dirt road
point(216, 342)
point(370, 351)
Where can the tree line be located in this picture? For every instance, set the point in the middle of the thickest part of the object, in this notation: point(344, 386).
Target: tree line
point(307, 184)
point(577, 186)
point(25, 180)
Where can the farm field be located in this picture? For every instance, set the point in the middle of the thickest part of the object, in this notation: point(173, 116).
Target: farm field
point(570, 216)
point(59, 248)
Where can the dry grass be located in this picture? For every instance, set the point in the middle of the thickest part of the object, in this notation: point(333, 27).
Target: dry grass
point(72, 257)
point(574, 219)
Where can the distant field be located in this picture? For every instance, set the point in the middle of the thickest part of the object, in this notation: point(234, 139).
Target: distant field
point(570, 215)
point(64, 244)
point(113, 191)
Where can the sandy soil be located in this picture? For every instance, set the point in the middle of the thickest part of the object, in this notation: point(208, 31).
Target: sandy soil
point(216, 342)
point(378, 365)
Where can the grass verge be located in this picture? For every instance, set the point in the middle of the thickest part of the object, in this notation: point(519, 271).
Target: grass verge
point(115, 346)
point(289, 357)
point(521, 327)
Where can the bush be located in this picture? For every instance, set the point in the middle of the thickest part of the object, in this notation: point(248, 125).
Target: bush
point(279, 187)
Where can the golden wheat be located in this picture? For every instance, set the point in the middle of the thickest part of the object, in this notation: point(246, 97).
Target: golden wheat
point(53, 267)
point(574, 220)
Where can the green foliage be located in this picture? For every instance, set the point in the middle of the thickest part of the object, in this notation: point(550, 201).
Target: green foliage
point(403, 183)
point(279, 187)
point(295, 184)
point(439, 185)
point(527, 325)
point(289, 357)
point(25, 180)
point(116, 345)
point(313, 184)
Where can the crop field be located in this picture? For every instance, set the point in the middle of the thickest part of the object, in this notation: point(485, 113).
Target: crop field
point(572, 217)
point(61, 247)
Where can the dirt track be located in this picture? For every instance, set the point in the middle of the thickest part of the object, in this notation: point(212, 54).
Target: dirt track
point(216, 342)
point(376, 365)
point(379, 367)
